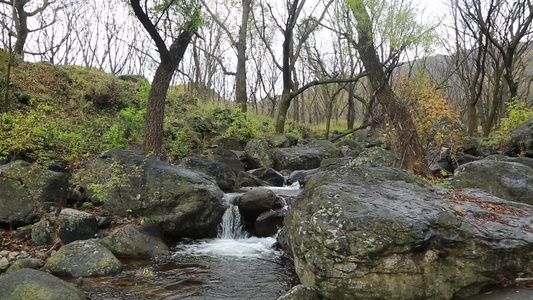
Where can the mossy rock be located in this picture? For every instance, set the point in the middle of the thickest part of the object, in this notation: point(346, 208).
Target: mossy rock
point(31, 284)
point(129, 242)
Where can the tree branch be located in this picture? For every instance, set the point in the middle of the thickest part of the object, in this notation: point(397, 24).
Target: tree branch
point(328, 81)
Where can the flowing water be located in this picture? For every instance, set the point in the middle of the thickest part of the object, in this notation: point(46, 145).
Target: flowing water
point(231, 266)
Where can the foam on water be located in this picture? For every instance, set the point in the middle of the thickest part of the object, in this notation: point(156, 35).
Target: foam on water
point(251, 247)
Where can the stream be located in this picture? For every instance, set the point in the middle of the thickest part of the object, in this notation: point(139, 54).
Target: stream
point(231, 266)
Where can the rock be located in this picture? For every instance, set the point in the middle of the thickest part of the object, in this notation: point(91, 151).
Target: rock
point(464, 159)
point(526, 161)
point(74, 225)
point(83, 258)
point(184, 203)
point(23, 232)
point(4, 253)
point(104, 222)
point(268, 175)
point(258, 154)
point(350, 148)
point(476, 147)
point(440, 162)
point(300, 292)
point(129, 242)
point(224, 177)
point(509, 180)
point(376, 156)
point(521, 140)
point(300, 176)
point(282, 241)
point(230, 143)
point(227, 157)
point(17, 207)
point(4, 264)
point(201, 125)
point(253, 203)
point(303, 158)
point(75, 194)
point(30, 263)
point(380, 233)
point(280, 141)
point(33, 284)
point(269, 222)
point(245, 179)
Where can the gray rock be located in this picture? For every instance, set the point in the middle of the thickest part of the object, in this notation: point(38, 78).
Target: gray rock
point(303, 158)
point(258, 154)
point(300, 292)
point(521, 140)
point(30, 263)
point(230, 143)
point(350, 148)
point(526, 161)
point(300, 176)
point(223, 175)
point(17, 206)
point(380, 233)
point(269, 222)
point(282, 241)
point(184, 203)
point(509, 180)
point(268, 175)
point(129, 242)
point(227, 157)
point(476, 147)
point(73, 225)
point(33, 284)
point(83, 258)
point(464, 159)
point(254, 202)
point(283, 141)
point(245, 179)
point(4, 264)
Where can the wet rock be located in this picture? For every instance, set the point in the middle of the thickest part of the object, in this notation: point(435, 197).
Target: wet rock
point(300, 292)
point(509, 180)
point(254, 202)
point(83, 258)
point(269, 222)
point(526, 161)
point(129, 242)
point(521, 143)
point(258, 154)
point(33, 284)
point(230, 143)
point(73, 225)
point(268, 175)
point(223, 175)
point(380, 233)
point(183, 202)
point(245, 179)
point(17, 206)
point(282, 241)
point(300, 176)
point(30, 263)
point(303, 158)
point(227, 157)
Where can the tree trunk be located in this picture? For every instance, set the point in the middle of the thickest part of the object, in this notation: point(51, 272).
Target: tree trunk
point(408, 148)
point(240, 77)
point(22, 29)
point(351, 107)
point(284, 105)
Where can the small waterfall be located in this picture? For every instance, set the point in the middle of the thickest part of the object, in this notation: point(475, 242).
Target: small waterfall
point(231, 227)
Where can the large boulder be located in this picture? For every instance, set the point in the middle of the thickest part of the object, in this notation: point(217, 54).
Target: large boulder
point(227, 157)
point(73, 225)
point(380, 233)
point(303, 158)
point(521, 140)
point(254, 202)
point(509, 180)
point(245, 179)
point(184, 203)
point(269, 223)
point(526, 161)
point(223, 175)
point(32, 284)
point(20, 204)
point(83, 258)
point(300, 176)
point(350, 148)
point(230, 143)
point(258, 155)
point(129, 242)
point(300, 292)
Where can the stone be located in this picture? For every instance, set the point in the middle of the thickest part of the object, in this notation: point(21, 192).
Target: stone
point(464, 159)
point(223, 175)
point(269, 223)
point(74, 225)
point(300, 176)
point(526, 161)
point(304, 157)
point(380, 233)
point(509, 180)
point(31, 263)
point(258, 155)
point(17, 206)
point(245, 179)
point(183, 202)
point(230, 143)
point(253, 203)
point(350, 148)
point(86, 258)
point(521, 143)
point(227, 157)
point(104, 222)
point(33, 284)
point(268, 175)
point(300, 292)
point(476, 147)
point(280, 141)
point(4, 264)
point(201, 125)
point(282, 241)
point(128, 242)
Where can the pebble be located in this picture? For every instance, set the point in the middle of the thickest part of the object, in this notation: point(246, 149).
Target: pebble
point(4, 264)
point(13, 254)
point(23, 255)
point(4, 253)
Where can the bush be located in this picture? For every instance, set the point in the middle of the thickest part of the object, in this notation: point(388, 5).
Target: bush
point(517, 113)
point(241, 127)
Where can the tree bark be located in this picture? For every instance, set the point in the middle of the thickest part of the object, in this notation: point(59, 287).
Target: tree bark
point(241, 96)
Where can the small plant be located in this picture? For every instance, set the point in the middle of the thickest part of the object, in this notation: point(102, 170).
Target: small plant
point(517, 113)
point(148, 272)
point(241, 127)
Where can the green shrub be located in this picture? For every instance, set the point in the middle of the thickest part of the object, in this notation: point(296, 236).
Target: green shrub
point(241, 127)
point(517, 113)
